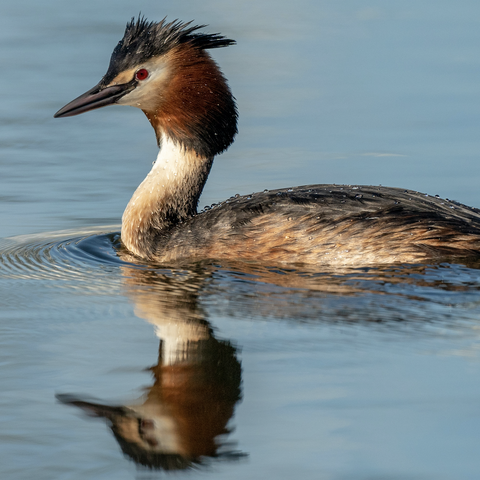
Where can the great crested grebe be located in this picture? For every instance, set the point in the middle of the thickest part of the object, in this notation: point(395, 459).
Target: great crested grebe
point(165, 70)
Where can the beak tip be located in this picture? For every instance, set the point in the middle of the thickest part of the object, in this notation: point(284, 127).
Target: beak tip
point(63, 112)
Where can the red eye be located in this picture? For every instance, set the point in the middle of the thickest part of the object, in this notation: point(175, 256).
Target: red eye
point(142, 74)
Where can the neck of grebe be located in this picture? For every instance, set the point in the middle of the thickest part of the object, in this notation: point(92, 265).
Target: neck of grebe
point(195, 118)
point(168, 196)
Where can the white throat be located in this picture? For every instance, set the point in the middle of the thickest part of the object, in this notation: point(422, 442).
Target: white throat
point(168, 195)
point(170, 160)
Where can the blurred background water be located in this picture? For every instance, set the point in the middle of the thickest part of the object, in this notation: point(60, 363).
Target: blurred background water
point(359, 374)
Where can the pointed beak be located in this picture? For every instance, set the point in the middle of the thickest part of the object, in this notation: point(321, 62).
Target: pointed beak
point(97, 97)
point(90, 408)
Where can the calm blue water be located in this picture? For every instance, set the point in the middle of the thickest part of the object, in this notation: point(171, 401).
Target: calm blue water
point(350, 374)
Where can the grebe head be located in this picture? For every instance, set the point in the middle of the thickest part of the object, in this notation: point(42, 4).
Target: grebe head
point(164, 69)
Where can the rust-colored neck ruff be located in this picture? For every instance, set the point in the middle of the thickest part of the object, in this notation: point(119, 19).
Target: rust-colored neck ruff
point(195, 107)
point(168, 195)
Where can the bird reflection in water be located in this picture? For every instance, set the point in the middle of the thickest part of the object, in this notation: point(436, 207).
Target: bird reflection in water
point(184, 416)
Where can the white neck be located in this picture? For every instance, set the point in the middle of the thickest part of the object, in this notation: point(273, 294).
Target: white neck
point(176, 338)
point(168, 195)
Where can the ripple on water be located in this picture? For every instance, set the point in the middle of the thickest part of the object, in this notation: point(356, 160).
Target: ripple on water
point(93, 258)
point(80, 256)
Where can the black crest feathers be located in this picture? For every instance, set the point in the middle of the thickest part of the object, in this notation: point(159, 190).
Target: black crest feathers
point(143, 40)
